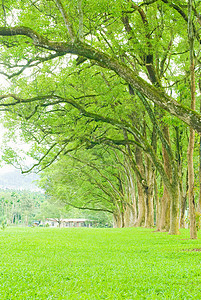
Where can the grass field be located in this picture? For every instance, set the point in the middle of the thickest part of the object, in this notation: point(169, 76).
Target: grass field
point(92, 264)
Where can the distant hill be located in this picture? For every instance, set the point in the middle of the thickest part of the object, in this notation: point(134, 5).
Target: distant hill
point(13, 179)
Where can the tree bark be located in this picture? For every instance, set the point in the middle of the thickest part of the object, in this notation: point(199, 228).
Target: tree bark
point(118, 221)
point(199, 200)
point(141, 196)
point(157, 204)
point(141, 206)
point(148, 192)
point(129, 216)
point(183, 198)
point(193, 230)
point(193, 233)
point(165, 201)
point(174, 209)
point(132, 207)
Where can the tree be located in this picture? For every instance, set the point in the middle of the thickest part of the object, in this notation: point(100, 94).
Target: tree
point(122, 41)
point(74, 45)
point(20, 207)
point(193, 230)
point(54, 210)
point(96, 181)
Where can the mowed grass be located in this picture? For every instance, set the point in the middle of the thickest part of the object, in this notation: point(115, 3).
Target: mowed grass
point(132, 263)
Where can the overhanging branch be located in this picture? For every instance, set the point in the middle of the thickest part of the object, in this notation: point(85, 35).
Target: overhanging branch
point(156, 95)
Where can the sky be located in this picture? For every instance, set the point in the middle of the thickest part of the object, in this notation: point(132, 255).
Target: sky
point(10, 177)
point(5, 168)
point(8, 168)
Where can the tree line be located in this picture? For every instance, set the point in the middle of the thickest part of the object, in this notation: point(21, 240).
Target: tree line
point(27, 208)
point(20, 207)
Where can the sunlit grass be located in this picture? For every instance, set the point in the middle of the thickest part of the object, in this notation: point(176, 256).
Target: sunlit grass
point(45, 263)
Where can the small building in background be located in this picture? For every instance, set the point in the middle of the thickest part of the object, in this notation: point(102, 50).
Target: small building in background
point(54, 222)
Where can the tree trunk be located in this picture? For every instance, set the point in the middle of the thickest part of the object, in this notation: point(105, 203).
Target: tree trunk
point(164, 224)
point(117, 218)
point(183, 202)
point(149, 210)
point(183, 209)
point(122, 219)
point(141, 205)
point(131, 208)
point(157, 204)
point(141, 196)
point(148, 193)
point(193, 230)
point(199, 200)
point(133, 204)
point(174, 209)
point(129, 216)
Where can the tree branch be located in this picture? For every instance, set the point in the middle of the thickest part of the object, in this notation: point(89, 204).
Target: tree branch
point(66, 19)
point(40, 160)
point(86, 208)
point(157, 95)
point(99, 172)
point(32, 63)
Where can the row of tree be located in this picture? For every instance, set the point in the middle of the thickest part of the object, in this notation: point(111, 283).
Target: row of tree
point(105, 92)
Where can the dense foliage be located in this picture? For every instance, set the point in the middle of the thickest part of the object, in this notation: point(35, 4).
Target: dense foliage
point(104, 90)
point(24, 208)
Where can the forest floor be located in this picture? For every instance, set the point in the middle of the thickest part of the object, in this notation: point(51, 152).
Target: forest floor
point(93, 264)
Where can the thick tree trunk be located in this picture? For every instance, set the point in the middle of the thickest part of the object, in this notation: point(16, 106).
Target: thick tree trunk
point(157, 204)
point(183, 198)
point(133, 198)
point(164, 224)
point(148, 193)
point(129, 216)
point(183, 209)
point(174, 209)
point(141, 196)
point(118, 221)
point(141, 206)
point(183, 194)
point(131, 209)
point(149, 211)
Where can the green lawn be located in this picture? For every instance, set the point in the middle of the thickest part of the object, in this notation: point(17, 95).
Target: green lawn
point(45, 263)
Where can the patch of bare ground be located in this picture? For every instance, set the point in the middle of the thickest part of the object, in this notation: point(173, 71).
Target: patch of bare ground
point(192, 250)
